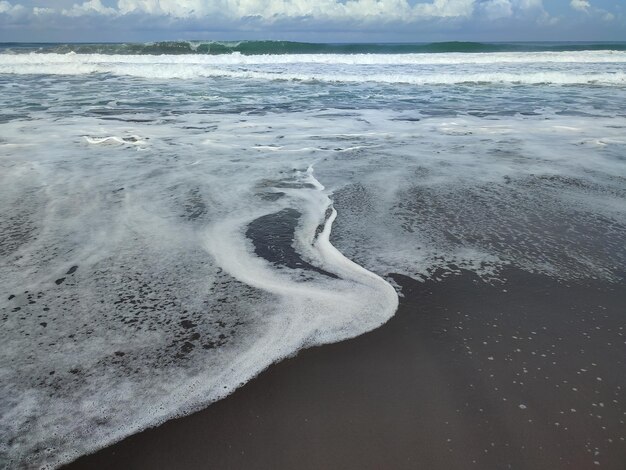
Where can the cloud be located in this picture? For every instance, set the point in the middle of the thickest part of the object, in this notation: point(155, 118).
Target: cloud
point(580, 5)
point(445, 9)
point(39, 11)
point(324, 9)
point(89, 8)
point(270, 12)
point(9, 9)
point(500, 9)
point(494, 9)
point(592, 11)
point(307, 20)
point(530, 4)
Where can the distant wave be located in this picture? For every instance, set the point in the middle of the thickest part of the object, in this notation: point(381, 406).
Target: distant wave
point(289, 47)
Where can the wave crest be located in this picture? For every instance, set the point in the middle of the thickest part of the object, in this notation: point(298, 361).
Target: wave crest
point(292, 47)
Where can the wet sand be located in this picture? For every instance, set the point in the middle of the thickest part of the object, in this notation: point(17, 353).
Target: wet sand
point(528, 373)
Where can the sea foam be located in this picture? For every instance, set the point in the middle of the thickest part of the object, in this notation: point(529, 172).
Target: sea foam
point(420, 69)
point(129, 302)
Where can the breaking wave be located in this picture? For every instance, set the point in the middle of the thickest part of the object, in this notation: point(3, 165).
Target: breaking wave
point(290, 47)
point(559, 68)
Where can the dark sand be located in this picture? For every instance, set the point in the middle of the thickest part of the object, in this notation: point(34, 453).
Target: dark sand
point(527, 374)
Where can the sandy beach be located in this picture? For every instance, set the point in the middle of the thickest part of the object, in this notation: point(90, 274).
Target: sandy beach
point(522, 373)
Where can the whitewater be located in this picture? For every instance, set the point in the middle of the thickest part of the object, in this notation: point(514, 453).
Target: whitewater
point(174, 223)
point(560, 68)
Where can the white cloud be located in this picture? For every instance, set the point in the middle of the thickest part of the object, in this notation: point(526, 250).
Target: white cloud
point(494, 9)
point(580, 5)
point(529, 4)
point(9, 9)
point(534, 9)
point(519, 9)
point(445, 8)
point(273, 11)
point(38, 11)
point(333, 20)
point(323, 9)
point(89, 7)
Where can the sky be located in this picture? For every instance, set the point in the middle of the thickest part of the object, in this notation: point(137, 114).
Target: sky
point(312, 21)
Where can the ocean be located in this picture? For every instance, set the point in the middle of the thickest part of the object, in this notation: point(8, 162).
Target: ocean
point(177, 216)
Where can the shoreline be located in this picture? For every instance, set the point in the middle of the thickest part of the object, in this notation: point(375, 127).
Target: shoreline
point(524, 374)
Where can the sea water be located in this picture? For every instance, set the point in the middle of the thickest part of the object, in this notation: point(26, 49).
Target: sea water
point(175, 217)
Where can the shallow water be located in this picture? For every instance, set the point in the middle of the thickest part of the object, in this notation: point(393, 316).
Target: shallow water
point(166, 220)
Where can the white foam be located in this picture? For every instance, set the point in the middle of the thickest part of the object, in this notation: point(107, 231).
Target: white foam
point(315, 312)
point(156, 245)
point(115, 140)
point(559, 68)
point(586, 57)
